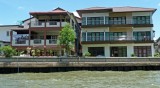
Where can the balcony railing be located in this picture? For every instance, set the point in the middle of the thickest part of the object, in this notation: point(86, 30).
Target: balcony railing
point(48, 24)
point(37, 42)
point(116, 38)
point(51, 41)
point(115, 22)
point(20, 42)
point(37, 24)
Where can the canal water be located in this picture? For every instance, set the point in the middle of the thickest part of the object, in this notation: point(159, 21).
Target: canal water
point(82, 79)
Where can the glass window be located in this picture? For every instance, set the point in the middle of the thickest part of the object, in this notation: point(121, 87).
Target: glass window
point(117, 20)
point(95, 20)
point(141, 20)
point(142, 51)
point(88, 36)
point(83, 36)
point(143, 35)
point(83, 20)
point(106, 35)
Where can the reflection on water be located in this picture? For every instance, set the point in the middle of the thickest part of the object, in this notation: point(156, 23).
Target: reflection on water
point(82, 79)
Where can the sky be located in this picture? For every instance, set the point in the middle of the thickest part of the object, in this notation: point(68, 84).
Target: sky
point(12, 11)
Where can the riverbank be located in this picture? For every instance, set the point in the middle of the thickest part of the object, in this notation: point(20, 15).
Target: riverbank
point(50, 64)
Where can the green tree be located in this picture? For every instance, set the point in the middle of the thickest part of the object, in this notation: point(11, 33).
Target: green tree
point(67, 38)
point(8, 51)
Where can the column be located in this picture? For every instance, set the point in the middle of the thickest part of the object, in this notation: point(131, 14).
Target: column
point(130, 50)
point(45, 22)
point(152, 36)
point(107, 50)
point(29, 38)
point(152, 49)
point(60, 21)
point(11, 35)
point(44, 42)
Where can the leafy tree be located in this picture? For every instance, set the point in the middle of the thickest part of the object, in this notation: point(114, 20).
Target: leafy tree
point(8, 51)
point(67, 38)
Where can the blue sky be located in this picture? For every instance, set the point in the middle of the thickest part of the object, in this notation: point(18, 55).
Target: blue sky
point(16, 10)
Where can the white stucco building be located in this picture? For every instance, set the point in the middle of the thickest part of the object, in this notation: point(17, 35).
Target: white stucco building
point(117, 31)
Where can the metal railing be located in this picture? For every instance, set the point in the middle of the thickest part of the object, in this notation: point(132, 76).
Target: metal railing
point(52, 41)
point(37, 24)
point(116, 22)
point(37, 41)
point(116, 38)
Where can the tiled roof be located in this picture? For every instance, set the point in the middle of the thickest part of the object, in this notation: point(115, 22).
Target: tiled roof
point(131, 9)
point(96, 8)
point(55, 11)
point(119, 9)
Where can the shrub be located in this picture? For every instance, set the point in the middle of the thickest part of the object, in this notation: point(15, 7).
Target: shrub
point(157, 55)
point(133, 55)
point(8, 51)
point(87, 54)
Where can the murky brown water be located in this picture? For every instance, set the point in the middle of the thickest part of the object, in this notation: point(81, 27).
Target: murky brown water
point(82, 79)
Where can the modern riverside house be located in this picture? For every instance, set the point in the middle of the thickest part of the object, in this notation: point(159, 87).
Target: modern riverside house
point(118, 31)
point(41, 31)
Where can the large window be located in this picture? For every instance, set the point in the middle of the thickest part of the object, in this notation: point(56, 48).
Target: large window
point(95, 36)
point(96, 51)
point(117, 20)
point(120, 51)
point(142, 36)
point(95, 20)
point(142, 51)
point(141, 20)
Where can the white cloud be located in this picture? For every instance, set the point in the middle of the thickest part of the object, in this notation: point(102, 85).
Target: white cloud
point(20, 8)
point(1, 24)
point(76, 14)
point(158, 4)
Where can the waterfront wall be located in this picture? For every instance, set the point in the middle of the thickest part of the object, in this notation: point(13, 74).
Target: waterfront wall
point(54, 64)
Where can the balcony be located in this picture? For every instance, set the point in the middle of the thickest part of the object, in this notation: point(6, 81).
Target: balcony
point(51, 42)
point(115, 39)
point(117, 23)
point(48, 24)
point(55, 24)
point(37, 42)
point(20, 42)
point(37, 24)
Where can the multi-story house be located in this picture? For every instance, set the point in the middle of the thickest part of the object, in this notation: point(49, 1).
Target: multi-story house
point(5, 34)
point(117, 31)
point(41, 31)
